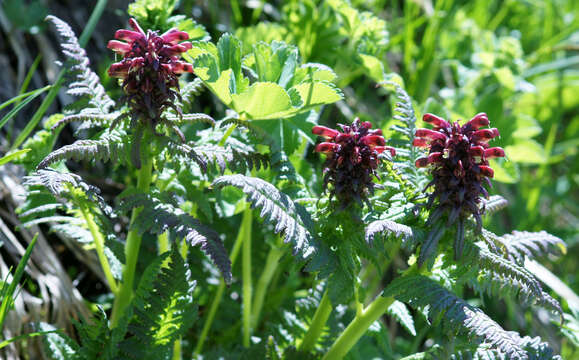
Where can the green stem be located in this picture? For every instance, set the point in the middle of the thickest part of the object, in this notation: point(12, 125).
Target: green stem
point(132, 246)
point(246, 274)
point(219, 293)
point(99, 242)
point(271, 263)
point(227, 134)
point(318, 322)
point(358, 327)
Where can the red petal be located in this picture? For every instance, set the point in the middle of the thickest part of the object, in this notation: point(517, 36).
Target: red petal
point(119, 47)
point(174, 35)
point(419, 142)
point(421, 162)
point(327, 148)
point(434, 157)
point(476, 151)
point(128, 35)
point(179, 67)
point(135, 25)
point(366, 124)
point(381, 149)
point(373, 140)
point(430, 134)
point(487, 171)
point(435, 120)
point(119, 70)
point(325, 132)
point(478, 121)
point(173, 50)
point(494, 152)
point(486, 134)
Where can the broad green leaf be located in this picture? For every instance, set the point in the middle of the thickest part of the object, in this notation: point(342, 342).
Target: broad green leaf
point(263, 100)
point(318, 93)
point(314, 72)
point(199, 48)
point(229, 52)
point(526, 151)
point(207, 69)
point(196, 31)
point(275, 62)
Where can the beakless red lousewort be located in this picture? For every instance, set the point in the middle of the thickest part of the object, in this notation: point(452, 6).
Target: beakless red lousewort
point(352, 159)
point(458, 157)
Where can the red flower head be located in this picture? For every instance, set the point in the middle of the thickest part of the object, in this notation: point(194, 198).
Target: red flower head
point(352, 159)
point(149, 68)
point(458, 157)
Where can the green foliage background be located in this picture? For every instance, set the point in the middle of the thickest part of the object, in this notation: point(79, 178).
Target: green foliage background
point(517, 61)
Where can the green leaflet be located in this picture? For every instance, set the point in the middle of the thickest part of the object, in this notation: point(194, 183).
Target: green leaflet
point(283, 89)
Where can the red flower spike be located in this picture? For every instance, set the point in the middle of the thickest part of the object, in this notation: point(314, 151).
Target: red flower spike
point(150, 68)
point(458, 160)
point(353, 155)
point(435, 120)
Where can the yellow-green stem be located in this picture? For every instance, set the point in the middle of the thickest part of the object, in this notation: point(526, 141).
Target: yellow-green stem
point(318, 322)
point(358, 327)
point(132, 246)
point(275, 253)
point(246, 274)
point(99, 243)
point(219, 293)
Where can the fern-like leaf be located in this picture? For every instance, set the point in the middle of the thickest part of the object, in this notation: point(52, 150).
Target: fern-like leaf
point(160, 213)
point(500, 273)
point(389, 227)
point(59, 185)
point(404, 112)
point(86, 82)
point(521, 244)
point(96, 119)
point(276, 208)
point(236, 160)
point(110, 147)
point(420, 291)
point(163, 311)
point(494, 203)
point(191, 119)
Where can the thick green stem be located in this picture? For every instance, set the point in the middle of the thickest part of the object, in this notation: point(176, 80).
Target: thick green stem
point(219, 293)
point(246, 274)
point(271, 263)
point(99, 242)
point(358, 327)
point(132, 247)
point(318, 322)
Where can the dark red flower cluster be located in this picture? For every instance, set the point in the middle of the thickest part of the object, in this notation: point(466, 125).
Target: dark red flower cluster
point(458, 156)
point(149, 69)
point(352, 159)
